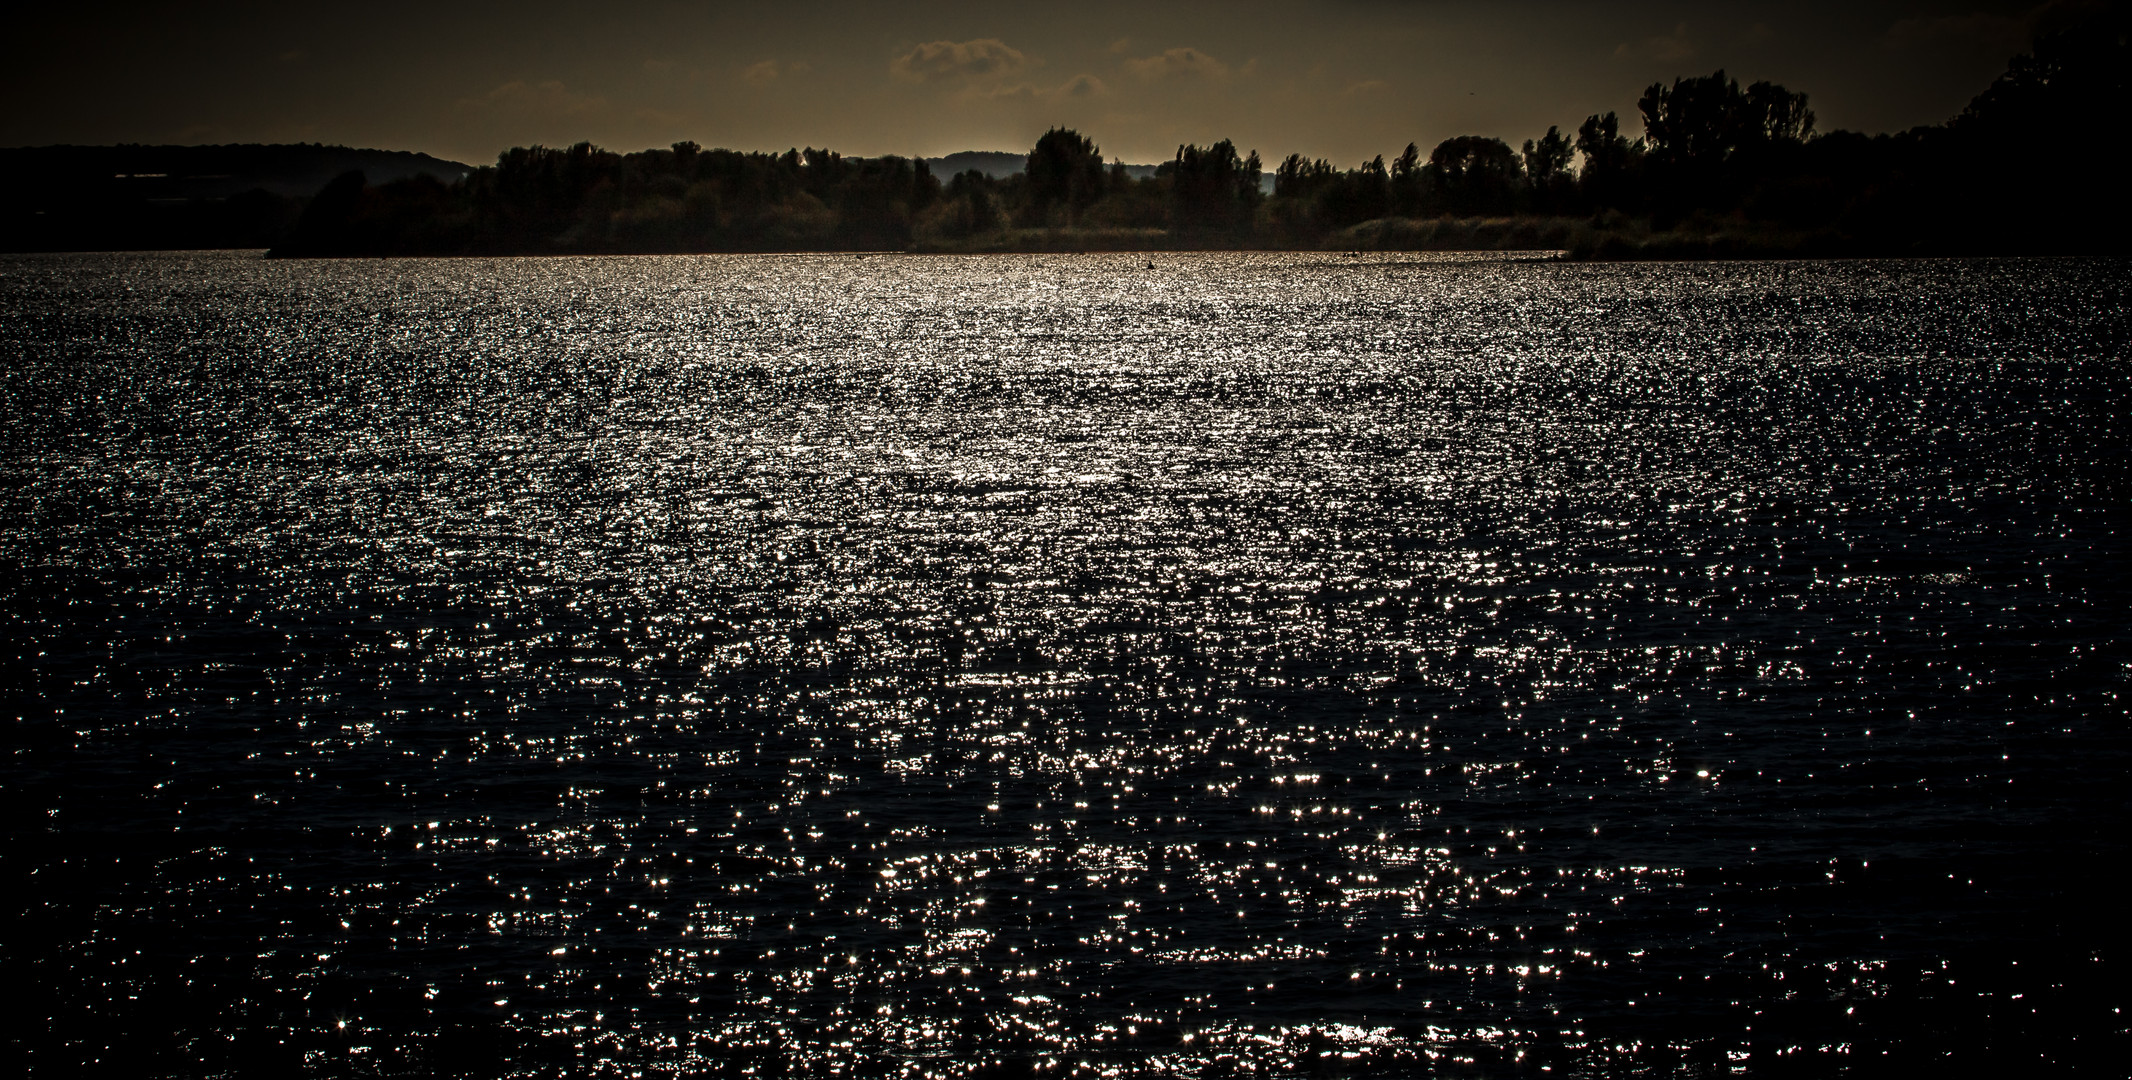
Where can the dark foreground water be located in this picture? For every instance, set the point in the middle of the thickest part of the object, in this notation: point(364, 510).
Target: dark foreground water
point(1050, 666)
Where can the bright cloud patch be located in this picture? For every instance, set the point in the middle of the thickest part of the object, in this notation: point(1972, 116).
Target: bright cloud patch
point(1083, 86)
point(1077, 88)
point(980, 59)
point(1179, 63)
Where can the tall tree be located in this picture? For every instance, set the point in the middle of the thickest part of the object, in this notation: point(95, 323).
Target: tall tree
point(1407, 182)
point(1771, 114)
point(2037, 155)
point(1549, 157)
point(1299, 177)
point(1610, 162)
point(1547, 170)
point(1708, 119)
point(1065, 170)
point(1712, 143)
point(1474, 174)
point(1212, 189)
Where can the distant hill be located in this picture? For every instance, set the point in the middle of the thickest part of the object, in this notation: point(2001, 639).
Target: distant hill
point(1000, 164)
point(997, 164)
point(133, 197)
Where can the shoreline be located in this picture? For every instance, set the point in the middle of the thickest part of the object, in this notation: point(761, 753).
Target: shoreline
point(1650, 254)
point(1602, 239)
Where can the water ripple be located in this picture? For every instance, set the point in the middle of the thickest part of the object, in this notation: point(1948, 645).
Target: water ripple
point(1035, 665)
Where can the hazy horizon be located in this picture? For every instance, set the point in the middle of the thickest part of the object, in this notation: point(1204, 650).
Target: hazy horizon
point(1342, 79)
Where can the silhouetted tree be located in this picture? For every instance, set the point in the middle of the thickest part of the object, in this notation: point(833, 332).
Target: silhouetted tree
point(924, 187)
point(1408, 185)
point(1771, 114)
point(1362, 195)
point(1300, 178)
point(1547, 170)
point(1065, 170)
point(1474, 174)
point(967, 206)
point(1710, 141)
point(2002, 169)
point(326, 226)
point(2036, 157)
point(1211, 189)
point(1691, 123)
point(1610, 163)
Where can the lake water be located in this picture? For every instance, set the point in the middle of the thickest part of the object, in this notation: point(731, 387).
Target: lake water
point(1052, 665)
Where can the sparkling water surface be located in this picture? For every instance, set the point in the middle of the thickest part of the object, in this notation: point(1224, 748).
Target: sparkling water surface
point(1048, 665)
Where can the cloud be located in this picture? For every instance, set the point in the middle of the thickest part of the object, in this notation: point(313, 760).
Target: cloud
point(548, 98)
point(768, 72)
point(983, 58)
point(1080, 87)
point(1668, 47)
point(1183, 62)
point(1366, 86)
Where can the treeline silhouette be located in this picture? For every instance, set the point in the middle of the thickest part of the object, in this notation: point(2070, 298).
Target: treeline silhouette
point(2030, 166)
point(136, 197)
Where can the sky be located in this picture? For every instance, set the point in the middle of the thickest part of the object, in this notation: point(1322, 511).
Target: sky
point(1339, 79)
